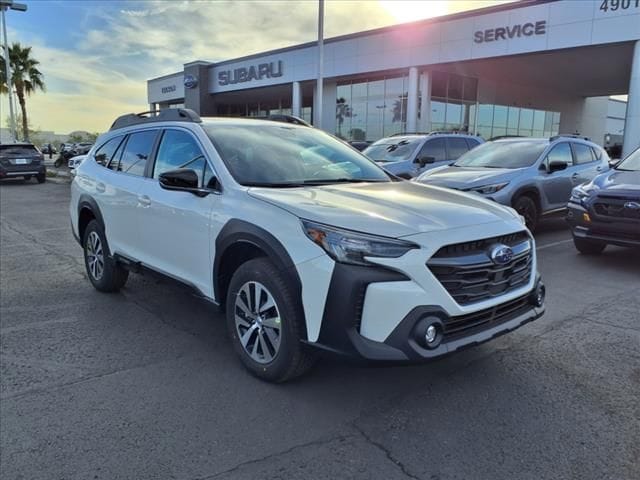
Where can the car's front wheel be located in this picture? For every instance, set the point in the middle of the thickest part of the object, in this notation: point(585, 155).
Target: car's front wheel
point(41, 178)
point(588, 247)
point(265, 322)
point(104, 272)
point(526, 207)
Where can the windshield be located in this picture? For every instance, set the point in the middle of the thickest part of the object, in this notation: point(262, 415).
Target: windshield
point(395, 150)
point(631, 163)
point(275, 154)
point(503, 154)
point(16, 150)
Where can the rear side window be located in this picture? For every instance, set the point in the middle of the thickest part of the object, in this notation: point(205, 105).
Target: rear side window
point(597, 153)
point(434, 148)
point(583, 153)
point(136, 152)
point(472, 142)
point(106, 152)
point(457, 147)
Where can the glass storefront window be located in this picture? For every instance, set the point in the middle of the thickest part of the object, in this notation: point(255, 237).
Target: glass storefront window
point(500, 117)
point(498, 120)
point(453, 117)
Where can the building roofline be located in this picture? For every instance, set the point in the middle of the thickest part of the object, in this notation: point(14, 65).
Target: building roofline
point(168, 75)
point(376, 31)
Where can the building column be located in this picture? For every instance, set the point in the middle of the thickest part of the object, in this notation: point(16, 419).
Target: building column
point(296, 100)
point(632, 118)
point(412, 100)
point(425, 103)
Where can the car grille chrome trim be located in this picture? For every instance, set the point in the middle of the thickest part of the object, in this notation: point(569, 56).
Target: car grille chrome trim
point(469, 275)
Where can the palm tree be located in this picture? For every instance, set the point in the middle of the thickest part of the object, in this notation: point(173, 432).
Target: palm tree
point(25, 77)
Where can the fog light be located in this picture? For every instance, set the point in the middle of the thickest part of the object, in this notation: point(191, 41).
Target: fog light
point(431, 334)
point(538, 295)
point(586, 217)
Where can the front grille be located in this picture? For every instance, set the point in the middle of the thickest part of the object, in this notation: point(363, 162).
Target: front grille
point(464, 325)
point(469, 275)
point(615, 207)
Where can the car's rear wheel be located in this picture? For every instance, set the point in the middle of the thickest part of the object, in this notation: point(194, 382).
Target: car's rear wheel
point(265, 322)
point(41, 178)
point(104, 272)
point(588, 247)
point(527, 207)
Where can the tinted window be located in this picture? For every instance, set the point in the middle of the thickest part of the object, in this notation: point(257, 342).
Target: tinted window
point(457, 147)
point(583, 153)
point(434, 148)
point(560, 153)
point(136, 152)
point(472, 142)
point(178, 149)
point(597, 153)
point(105, 153)
point(511, 154)
point(18, 150)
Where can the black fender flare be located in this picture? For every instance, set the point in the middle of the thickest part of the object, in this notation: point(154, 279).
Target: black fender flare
point(528, 190)
point(239, 231)
point(87, 202)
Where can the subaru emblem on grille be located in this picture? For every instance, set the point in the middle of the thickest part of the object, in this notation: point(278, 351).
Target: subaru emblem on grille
point(632, 205)
point(501, 254)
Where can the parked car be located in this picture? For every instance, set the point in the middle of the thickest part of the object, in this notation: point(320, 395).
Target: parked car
point(606, 210)
point(360, 145)
point(82, 148)
point(22, 160)
point(74, 162)
point(408, 155)
point(533, 175)
point(305, 243)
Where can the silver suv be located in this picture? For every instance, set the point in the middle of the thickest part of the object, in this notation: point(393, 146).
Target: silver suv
point(410, 154)
point(535, 176)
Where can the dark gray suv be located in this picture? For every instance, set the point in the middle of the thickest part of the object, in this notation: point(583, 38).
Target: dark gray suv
point(533, 175)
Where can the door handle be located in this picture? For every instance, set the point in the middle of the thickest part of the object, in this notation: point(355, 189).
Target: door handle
point(599, 168)
point(575, 175)
point(100, 187)
point(144, 200)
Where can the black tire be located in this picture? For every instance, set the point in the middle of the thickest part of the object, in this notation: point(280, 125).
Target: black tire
point(58, 162)
point(588, 247)
point(27, 178)
point(527, 207)
point(41, 178)
point(292, 358)
point(113, 276)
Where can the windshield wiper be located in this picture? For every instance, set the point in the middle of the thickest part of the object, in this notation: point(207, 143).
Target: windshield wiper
point(329, 181)
point(274, 185)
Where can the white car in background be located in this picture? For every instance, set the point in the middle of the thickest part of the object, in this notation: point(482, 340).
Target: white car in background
point(74, 162)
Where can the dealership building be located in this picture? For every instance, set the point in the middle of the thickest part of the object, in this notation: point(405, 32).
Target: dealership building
point(532, 68)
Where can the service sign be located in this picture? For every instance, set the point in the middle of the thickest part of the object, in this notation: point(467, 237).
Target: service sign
point(528, 29)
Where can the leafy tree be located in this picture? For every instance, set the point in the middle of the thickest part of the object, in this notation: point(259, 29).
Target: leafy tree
point(25, 78)
point(20, 128)
point(343, 110)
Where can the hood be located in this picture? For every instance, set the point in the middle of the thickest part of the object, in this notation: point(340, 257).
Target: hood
point(393, 209)
point(618, 181)
point(468, 177)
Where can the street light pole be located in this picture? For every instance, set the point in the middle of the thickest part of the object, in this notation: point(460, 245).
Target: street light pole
point(319, 94)
point(6, 5)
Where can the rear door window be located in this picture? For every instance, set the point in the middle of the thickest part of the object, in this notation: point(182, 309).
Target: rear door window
point(583, 153)
point(136, 152)
point(434, 148)
point(456, 147)
point(472, 142)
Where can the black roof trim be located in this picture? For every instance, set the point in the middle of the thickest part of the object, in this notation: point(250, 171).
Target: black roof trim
point(165, 115)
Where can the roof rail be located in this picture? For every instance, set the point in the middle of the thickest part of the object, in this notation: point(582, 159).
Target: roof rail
point(437, 132)
point(164, 115)
point(569, 135)
point(281, 117)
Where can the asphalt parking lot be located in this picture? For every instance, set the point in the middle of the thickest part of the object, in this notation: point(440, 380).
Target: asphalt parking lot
point(144, 384)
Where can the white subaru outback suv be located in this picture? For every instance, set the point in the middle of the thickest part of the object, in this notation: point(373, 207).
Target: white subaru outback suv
point(308, 245)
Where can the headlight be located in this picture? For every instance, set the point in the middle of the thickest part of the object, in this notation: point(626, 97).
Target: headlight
point(489, 189)
point(352, 247)
point(581, 192)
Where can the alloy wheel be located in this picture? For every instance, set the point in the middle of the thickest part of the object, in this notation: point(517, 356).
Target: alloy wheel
point(258, 322)
point(95, 256)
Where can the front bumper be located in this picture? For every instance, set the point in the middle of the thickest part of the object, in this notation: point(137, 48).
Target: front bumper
point(343, 333)
point(621, 232)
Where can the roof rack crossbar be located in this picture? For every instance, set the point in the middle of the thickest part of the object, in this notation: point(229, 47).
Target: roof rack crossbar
point(164, 115)
point(436, 132)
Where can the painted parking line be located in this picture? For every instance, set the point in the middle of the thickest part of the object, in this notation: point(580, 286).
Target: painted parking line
point(549, 245)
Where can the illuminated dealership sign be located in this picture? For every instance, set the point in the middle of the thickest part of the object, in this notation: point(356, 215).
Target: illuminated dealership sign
point(514, 31)
point(247, 74)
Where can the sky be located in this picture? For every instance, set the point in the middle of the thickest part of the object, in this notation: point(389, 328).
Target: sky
point(96, 55)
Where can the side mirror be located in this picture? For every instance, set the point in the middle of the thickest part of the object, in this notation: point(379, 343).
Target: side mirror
point(556, 166)
point(424, 160)
point(183, 180)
